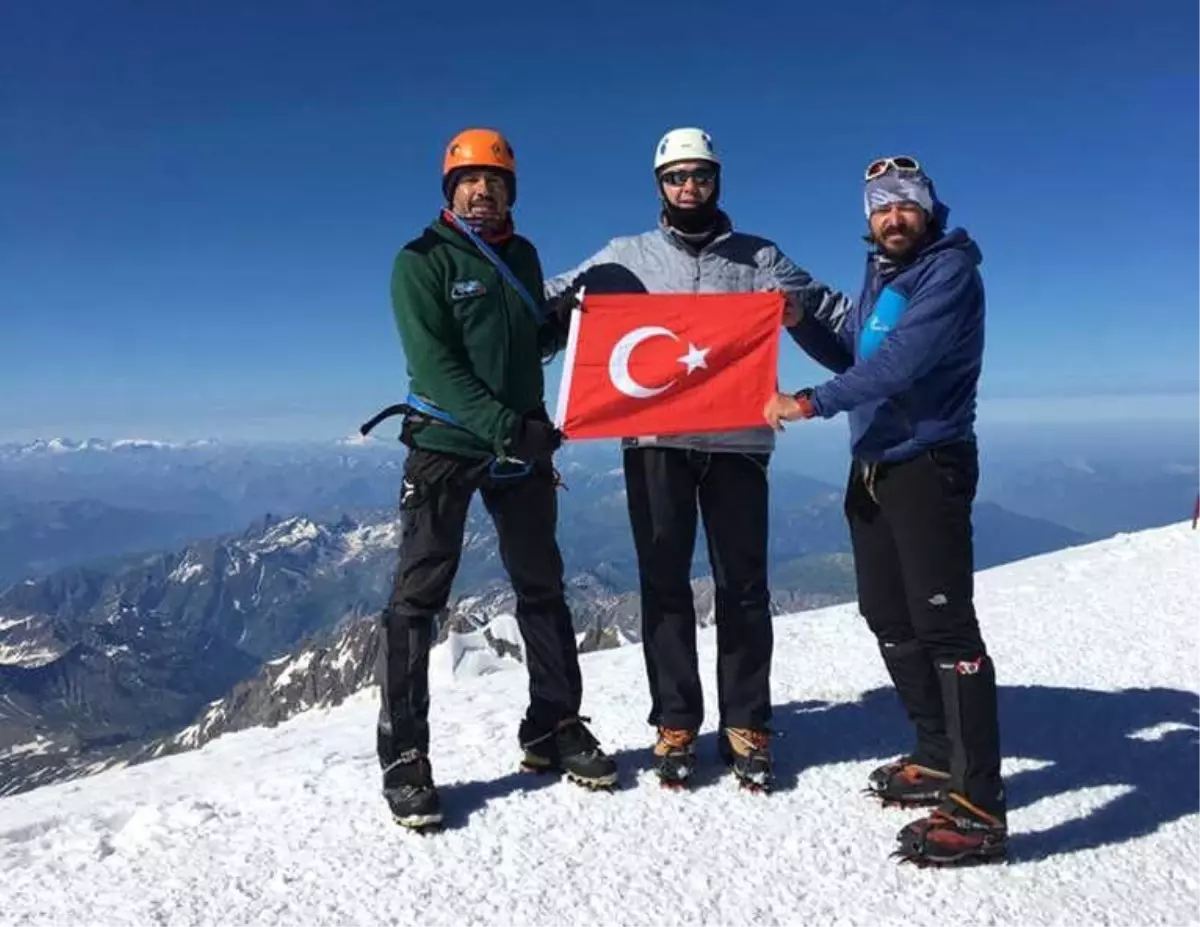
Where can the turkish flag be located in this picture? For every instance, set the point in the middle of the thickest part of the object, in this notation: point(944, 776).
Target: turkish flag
point(665, 363)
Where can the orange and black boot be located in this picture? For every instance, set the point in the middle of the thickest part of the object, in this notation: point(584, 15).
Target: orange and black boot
point(675, 756)
point(970, 826)
point(748, 753)
point(956, 833)
point(919, 778)
point(907, 783)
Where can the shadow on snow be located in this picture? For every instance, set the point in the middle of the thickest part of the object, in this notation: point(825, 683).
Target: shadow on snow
point(1089, 739)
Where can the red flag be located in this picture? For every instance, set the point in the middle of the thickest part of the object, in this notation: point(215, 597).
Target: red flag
point(665, 363)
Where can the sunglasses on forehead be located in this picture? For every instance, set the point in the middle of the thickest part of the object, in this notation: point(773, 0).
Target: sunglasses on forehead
point(677, 178)
point(881, 166)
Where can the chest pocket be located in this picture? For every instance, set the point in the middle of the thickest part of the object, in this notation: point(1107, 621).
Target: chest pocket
point(476, 301)
point(884, 317)
point(470, 288)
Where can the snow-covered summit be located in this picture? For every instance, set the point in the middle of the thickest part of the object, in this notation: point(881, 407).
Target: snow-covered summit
point(1095, 650)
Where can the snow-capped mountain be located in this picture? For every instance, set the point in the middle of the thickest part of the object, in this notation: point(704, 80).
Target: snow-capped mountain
point(96, 662)
point(286, 825)
point(228, 483)
point(92, 660)
point(323, 674)
point(73, 446)
point(60, 508)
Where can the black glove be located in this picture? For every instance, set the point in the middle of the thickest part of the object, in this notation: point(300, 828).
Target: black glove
point(561, 306)
point(535, 440)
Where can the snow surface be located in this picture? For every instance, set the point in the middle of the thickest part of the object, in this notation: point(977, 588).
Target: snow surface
point(1096, 655)
point(465, 655)
point(505, 628)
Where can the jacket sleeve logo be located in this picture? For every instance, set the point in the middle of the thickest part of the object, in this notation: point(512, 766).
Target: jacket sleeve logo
point(885, 316)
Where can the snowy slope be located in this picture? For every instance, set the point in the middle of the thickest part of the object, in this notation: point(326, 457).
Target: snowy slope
point(1096, 656)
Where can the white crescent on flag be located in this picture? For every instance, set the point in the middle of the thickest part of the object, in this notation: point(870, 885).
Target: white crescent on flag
point(618, 362)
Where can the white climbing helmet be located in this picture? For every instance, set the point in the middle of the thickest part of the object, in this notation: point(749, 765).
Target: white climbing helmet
point(685, 145)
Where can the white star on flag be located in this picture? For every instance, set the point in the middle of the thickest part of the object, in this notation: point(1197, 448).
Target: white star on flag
point(694, 358)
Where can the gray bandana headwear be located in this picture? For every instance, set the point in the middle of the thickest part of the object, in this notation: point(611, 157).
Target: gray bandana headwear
point(899, 187)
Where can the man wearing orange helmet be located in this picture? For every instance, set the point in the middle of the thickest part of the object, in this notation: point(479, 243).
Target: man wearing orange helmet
point(475, 420)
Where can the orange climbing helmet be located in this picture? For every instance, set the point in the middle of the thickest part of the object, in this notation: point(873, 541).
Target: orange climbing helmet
point(479, 148)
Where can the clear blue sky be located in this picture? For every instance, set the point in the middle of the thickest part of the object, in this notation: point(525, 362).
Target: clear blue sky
point(201, 201)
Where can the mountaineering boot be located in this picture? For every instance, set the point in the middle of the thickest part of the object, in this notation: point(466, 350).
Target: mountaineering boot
point(970, 826)
point(410, 793)
point(675, 756)
point(570, 748)
point(920, 692)
point(907, 783)
point(956, 833)
point(748, 753)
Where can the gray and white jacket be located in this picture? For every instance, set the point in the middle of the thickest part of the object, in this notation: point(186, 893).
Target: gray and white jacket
point(662, 261)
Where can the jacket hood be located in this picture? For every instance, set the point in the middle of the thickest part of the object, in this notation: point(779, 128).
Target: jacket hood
point(957, 239)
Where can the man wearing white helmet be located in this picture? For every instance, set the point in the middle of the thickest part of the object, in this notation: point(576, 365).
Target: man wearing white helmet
point(669, 479)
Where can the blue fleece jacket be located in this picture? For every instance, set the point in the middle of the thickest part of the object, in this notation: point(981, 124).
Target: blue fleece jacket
point(911, 351)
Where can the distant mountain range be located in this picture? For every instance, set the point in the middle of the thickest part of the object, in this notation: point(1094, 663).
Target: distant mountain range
point(38, 538)
point(99, 661)
point(154, 605)
point(1101, 498)
point(235, 483)
point(147, 494)
point(70, 446)
point(65, 502)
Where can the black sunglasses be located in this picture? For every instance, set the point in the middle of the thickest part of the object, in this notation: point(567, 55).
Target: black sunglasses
point(677, 178)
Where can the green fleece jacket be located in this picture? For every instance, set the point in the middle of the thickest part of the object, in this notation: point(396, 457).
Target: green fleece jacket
point(473, 347)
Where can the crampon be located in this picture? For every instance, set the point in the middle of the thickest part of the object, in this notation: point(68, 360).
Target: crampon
point(956, 833)
point(675, 757)
point(748, 753)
